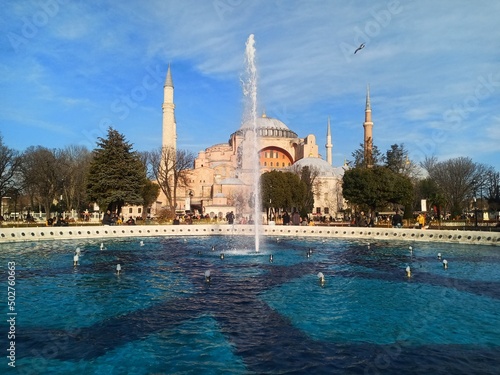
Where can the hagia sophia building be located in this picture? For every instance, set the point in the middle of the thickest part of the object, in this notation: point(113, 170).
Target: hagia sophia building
point(221, 179)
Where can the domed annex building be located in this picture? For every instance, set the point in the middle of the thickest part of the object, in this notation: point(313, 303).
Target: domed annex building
point(222, 176)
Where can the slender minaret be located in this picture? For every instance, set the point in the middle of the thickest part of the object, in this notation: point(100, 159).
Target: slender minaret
point(368, 125)
point(169, 136)
point(328, 143)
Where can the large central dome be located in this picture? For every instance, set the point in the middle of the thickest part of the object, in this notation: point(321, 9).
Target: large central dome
point(265, 122)
point(268, 127)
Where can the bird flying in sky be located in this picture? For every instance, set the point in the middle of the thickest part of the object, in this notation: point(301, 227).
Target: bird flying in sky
point(362, 45)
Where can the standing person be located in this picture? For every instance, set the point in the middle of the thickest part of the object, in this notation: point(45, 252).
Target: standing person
point(286, 218)
point(296, 218)
point(397, 220)
point(107, 219)
point(421, 220)
point(362, 220)
point(230, 217)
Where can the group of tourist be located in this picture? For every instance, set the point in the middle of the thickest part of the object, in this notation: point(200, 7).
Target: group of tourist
point(396, 220)
point(114, 219)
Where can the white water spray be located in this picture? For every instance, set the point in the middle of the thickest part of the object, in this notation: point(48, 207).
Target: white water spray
point(250, 92)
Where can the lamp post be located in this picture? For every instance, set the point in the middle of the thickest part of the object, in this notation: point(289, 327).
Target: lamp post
point(475, 202)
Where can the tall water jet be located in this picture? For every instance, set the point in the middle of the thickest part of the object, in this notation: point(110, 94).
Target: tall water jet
point(252, 148)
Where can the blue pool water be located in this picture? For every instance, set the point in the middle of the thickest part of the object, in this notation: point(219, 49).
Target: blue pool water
point(160, 316)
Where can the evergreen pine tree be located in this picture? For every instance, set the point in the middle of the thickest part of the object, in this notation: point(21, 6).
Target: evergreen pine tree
point(116, 175)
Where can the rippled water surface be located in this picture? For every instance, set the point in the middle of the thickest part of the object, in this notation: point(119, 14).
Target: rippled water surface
point(161, 316)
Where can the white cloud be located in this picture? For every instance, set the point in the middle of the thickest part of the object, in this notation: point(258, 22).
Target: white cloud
point(422, 61)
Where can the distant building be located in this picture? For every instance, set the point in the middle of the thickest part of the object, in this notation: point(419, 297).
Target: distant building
point(221, 178)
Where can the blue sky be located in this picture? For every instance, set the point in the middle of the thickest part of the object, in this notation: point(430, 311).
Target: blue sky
point(69, 69)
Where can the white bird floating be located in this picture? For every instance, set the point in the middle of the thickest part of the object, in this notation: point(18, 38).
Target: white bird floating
point(75, 260)
point(207, 276)
point(321, 278)
point(118, 268)
point(142, 243)
point(445, 264)
point(439, 256)
point(408, 271)
point(102, 246)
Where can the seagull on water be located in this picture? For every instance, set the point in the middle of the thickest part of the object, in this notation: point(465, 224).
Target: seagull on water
point(361, 46)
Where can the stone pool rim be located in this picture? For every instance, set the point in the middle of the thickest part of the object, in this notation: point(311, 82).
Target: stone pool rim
point(28, 234)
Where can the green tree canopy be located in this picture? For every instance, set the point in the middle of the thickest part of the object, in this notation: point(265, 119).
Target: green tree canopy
point(375, 188)
point(359, 157)
point(116, 174)
point(283, 190)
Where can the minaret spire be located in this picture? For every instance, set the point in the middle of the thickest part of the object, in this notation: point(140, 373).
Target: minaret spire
point(169, 136)
point(329, 144)
point(368, 126)
point(368, 106)
point(168, 80)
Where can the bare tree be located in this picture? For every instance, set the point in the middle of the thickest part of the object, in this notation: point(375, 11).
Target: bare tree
point(42, 175)
point(170, 168)
point(75, 160)
point(457, 178)
point(9, 166)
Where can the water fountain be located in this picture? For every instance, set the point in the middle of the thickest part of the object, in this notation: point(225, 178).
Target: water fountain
point(252, 150)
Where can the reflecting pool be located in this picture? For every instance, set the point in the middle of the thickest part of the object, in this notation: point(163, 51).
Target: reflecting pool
point(256, 315)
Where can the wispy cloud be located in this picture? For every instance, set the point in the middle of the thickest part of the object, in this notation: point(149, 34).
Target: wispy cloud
point(425, 62)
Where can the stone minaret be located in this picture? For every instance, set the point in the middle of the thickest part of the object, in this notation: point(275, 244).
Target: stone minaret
point(329, 144)
point(169, 136)
point(368, 125)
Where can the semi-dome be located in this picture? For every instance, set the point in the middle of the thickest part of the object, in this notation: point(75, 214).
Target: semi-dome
point(322, 166)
